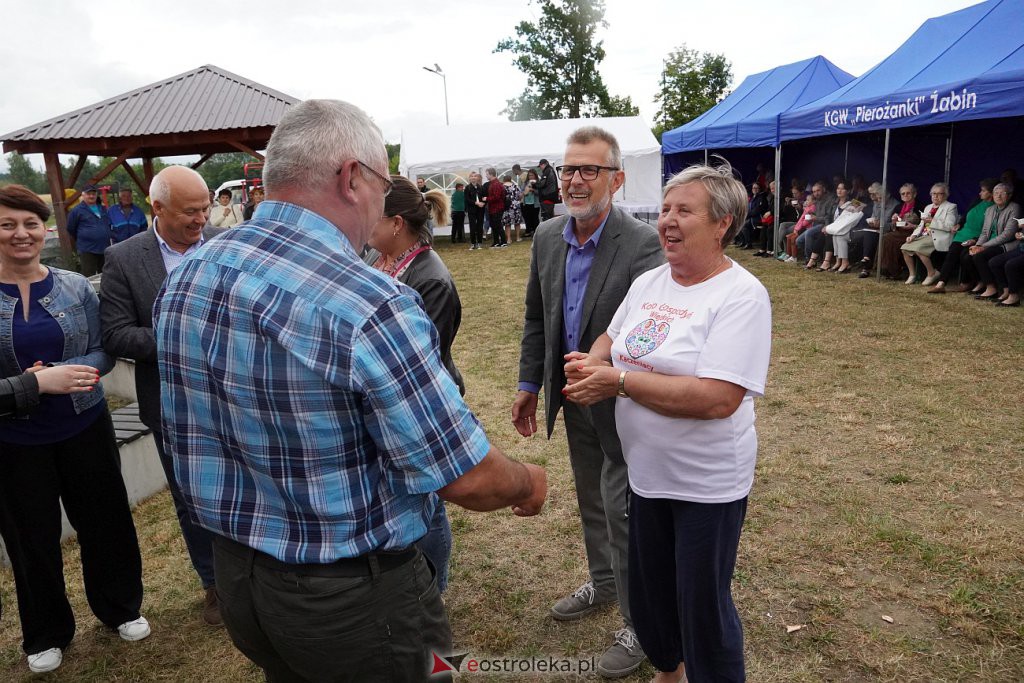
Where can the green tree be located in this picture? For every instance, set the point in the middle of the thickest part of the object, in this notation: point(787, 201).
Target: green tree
point(619, 106)
point(560, 56)
point(221, 168)
point(394, 153)
point(21, 172)
point(691, 83)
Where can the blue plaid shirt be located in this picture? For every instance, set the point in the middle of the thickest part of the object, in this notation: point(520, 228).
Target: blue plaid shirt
point(304, 401)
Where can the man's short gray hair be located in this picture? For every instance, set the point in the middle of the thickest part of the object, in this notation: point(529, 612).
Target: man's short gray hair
point(314, 138)
point(587, 134)
point(876, 189)
point(726, 194)
point(160, 189)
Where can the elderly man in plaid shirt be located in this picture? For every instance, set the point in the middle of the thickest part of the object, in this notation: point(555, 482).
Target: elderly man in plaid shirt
point(311, 420)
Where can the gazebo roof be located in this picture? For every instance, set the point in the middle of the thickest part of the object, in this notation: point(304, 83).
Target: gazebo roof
point(196, 112)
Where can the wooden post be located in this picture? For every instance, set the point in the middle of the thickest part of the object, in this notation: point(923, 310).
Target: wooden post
point(77, 170)
point(135, 176)
point(242, 148)
point(202, 160)
point(107, 170)
point(55, 179)
point(147, 172)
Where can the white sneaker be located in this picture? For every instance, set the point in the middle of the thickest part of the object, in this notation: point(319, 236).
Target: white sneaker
point(44, 661)
point(910, 280)
point(930, 280)
point(134, 630)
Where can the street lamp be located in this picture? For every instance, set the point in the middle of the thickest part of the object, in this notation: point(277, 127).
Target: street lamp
point(437, 70)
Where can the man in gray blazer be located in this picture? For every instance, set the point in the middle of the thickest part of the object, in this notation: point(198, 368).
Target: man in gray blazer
point(133, 273)
point(581, 268)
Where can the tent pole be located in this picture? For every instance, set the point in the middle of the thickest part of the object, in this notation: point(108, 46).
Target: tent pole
point(778, 190)
point(705, 156)
point(949, 151)
point(846, 159)
point(882, 219)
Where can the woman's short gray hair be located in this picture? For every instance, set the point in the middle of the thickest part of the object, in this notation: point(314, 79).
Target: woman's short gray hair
point(1005, 187)
point(942, 186)
point(726, 194)
point(314, 138)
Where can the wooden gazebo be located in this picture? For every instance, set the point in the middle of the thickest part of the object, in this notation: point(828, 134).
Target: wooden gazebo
point(204, 111)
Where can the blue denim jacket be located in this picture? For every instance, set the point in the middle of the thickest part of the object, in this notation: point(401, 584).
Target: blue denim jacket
point(74, 305)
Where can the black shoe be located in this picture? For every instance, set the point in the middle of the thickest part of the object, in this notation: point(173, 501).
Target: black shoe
point(1015, 303)
point(983, 297)
point(864, 273)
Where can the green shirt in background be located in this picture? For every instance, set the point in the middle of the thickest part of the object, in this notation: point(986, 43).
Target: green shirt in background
point(973, 223)
point(459, 204)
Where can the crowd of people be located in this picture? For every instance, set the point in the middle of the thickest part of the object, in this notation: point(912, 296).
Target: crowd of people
point(508, 208)
point(844, 227)
point(296, 370)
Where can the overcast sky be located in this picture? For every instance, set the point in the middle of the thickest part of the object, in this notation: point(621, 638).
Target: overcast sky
point(59, 56)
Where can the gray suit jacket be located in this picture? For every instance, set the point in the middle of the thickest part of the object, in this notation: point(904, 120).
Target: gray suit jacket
point(133, 273)
point(627, 249)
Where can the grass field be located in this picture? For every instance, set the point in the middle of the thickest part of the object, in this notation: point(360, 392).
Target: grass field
point(890, 484)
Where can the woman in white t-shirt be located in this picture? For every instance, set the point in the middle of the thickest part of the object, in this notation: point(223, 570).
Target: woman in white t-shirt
point(686, 354)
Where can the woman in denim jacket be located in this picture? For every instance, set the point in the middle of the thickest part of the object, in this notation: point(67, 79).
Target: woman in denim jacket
point(63, 451)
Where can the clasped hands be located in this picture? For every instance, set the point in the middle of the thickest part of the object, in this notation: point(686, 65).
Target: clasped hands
point(589, 379)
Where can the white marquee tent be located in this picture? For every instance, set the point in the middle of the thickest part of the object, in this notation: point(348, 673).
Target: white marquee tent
point(432, 150)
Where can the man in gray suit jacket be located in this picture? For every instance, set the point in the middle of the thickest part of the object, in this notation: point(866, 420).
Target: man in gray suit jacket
point(581, 268)
point(133, 273)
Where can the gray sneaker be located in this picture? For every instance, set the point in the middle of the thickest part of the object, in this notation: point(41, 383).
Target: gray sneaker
point(623, 657)
point(582, 602)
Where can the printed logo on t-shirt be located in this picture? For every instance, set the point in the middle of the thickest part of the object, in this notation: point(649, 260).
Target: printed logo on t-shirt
point(646, 337)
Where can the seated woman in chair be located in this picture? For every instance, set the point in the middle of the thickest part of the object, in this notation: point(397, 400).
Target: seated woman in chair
point(939, 221)
point(899, 229)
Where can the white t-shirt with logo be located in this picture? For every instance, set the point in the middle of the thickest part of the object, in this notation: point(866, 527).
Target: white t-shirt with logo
point(719, 329)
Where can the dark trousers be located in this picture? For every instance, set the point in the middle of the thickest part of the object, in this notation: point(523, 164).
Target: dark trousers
point(356, 620)
point(1015, 273)
point(981, 263)
point(476, 225)
point(1006, 267)
point(863, 245)
point(83, 472)
point(497, 229)
point(91, 263)
point(681, 560)
point(458, 226)
point(531, 217)
point(198, 541)
point(954, 264)
point(547, 210)
point(602, 492)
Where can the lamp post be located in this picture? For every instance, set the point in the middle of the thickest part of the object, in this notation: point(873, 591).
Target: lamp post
point(437, 70)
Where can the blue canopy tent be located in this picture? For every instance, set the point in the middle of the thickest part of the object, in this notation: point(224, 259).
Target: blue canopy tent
point(749, 116)
point(964, 70)
point(746, 123)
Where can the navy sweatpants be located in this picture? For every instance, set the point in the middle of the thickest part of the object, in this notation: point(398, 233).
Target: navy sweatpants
point(681, 559)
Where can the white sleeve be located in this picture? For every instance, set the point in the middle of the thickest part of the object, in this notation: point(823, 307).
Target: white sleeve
point(739, 343)
point(615, 326)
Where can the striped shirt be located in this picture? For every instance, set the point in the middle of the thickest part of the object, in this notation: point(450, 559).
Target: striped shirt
point(304, 401)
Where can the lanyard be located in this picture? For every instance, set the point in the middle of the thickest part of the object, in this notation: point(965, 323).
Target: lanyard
point(408, 259)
